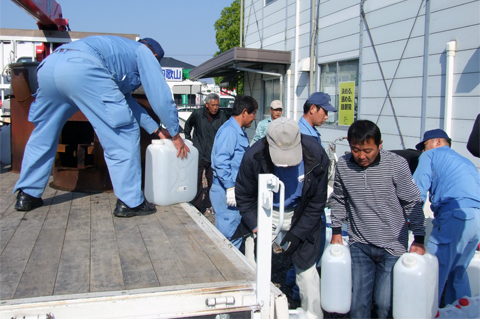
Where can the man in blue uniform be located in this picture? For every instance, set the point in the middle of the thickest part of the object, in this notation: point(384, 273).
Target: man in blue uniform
point(454, 183)
point(230, 144)
point(315, 113)
point(96, 75)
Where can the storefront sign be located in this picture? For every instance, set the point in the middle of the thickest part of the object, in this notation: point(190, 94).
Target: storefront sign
point(172, 74)
point(346, 103)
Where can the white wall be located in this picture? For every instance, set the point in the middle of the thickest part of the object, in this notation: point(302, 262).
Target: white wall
point(397, 28)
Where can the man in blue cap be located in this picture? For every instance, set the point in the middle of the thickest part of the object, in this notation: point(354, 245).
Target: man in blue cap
point(315, 113)
point(97, 75)
point(454, 183)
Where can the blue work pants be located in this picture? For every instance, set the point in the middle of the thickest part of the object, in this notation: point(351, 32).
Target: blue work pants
point(454, 238)
point(70, 81)
point(227, 218)
point(372, 278)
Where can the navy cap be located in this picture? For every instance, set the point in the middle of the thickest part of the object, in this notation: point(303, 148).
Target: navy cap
point(432, 134)
point(156, 47)
point(321, 99)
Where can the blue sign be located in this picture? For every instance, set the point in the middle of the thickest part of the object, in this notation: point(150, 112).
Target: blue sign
point(172, 74)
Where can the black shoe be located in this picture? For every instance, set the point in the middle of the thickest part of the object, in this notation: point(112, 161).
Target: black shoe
point(124, 211)
point(26, 202)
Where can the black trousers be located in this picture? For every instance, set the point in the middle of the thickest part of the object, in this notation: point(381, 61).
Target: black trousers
point(197, 201)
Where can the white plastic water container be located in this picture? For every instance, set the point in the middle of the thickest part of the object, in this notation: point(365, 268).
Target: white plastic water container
point(168, 179)
point(433, 262)
point(415, 286)
point(336, 284)
point(473, 272)
point(450, 312)
point(470, 306)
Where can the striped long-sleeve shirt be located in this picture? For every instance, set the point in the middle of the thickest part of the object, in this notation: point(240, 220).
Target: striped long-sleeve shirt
point(377, 201)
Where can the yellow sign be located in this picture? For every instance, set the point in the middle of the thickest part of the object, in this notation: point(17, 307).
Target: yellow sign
point(346, 103)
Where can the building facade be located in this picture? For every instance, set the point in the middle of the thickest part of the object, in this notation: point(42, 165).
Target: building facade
point(407, 65)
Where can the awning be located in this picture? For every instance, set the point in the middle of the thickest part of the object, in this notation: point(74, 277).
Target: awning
point(224, 64)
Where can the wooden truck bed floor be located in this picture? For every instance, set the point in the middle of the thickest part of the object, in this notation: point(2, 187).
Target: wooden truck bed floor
point(73, 248)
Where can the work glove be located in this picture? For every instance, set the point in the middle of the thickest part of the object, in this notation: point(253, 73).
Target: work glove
point(231, 197)
point(293, 243)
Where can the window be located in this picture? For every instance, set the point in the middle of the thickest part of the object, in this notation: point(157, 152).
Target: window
point(267, 2)
point(184, 100)
point(272, 92)
point(334, 77)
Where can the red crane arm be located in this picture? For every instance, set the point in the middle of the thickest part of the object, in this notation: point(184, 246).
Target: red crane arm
point(48, 13)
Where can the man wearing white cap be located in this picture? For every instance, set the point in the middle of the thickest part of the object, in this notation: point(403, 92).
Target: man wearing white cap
point(301, 164)
point(276, 109)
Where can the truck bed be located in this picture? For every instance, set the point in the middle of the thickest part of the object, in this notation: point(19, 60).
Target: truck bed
point(71, 258)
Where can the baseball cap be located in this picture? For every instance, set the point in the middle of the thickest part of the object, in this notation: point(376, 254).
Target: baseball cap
point(276, 104)
point(284, 143)
point(432, 134)
point(321, 99)
point(156, 47)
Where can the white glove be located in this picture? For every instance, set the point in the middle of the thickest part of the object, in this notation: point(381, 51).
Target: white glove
point(231, 197)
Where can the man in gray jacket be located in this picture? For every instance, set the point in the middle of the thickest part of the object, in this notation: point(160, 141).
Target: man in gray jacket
point(301, 163)
point(205, 121)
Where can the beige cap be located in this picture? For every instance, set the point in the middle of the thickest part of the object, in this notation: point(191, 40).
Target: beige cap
point(276, 104)
point(284, 142)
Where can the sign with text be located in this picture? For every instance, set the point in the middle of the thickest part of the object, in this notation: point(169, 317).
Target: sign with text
point(172, 74)
point(346, 103)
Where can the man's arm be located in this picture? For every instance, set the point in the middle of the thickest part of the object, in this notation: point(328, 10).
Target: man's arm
point(142, 116)
point(259, 132)
point(160, 96)
point(157, 90)
point(189, 124)
point(423, 174)
point(473, 144)
point(339, 200)
point(246, 192)
point(312, 213)
point(409, 197)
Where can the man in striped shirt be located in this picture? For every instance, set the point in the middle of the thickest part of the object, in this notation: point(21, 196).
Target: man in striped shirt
point(375, 193)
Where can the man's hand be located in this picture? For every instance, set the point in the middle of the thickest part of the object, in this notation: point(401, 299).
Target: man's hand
point(293, 243)
point(182, 148)
point(337, 238)
point(231, 197)
point(417, 248)
point(164, 134)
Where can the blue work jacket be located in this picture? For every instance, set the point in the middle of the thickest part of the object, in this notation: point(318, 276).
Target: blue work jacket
point(453, 180)
point(132, 64)
point(307, 129)
point(231, 143)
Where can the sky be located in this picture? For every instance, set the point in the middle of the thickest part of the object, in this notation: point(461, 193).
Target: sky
point(184, 28)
